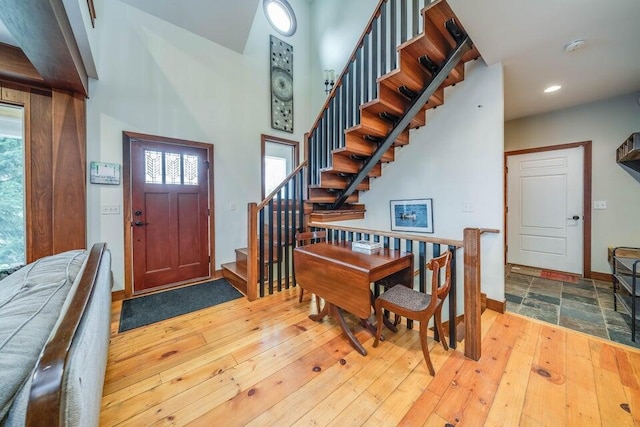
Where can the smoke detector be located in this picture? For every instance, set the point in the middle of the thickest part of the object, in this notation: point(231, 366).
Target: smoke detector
point(574, 45)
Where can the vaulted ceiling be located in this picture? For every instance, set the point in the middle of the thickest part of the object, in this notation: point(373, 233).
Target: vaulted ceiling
point(527, 37)
point(225, 22)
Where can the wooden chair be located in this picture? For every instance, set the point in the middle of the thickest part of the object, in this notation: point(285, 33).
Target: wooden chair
point(419, 306)
point(301, 239)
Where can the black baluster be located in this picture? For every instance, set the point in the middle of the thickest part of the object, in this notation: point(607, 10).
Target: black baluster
point(415, 15)
point(270, 228)
point(383, 40)
point(278, 198)
point(374, 59)
point(365, 69)
point(392, 38)
point(409, 249)
point(287, 235)
point(403, 21)
point(452, 301)
point(358, 85)
point(260, 253)
point(294, 229)
point(435, 251)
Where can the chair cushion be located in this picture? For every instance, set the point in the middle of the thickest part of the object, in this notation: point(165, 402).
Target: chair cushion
point(30, 303)
point(405, 297)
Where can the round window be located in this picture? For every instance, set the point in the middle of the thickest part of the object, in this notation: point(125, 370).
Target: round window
point(280, 15)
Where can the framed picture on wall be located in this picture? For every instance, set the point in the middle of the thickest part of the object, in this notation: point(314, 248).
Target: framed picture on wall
point(412, 215)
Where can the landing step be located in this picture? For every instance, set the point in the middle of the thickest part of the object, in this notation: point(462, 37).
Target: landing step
point(236, 276)
point(337, 215)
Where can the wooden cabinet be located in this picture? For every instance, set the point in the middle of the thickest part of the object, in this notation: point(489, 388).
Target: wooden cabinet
point(626, 283)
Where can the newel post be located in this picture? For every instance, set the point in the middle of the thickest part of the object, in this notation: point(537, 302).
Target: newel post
point(252, 251)
point(472, 313)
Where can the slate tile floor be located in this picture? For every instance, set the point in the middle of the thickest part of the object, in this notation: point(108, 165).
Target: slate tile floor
point(586, 306)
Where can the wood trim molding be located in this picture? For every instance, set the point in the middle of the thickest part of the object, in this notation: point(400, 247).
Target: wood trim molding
point(43, 32)
point(495, 305)
point(127, 138)
point(117, 295)
point(603, 277)
point(16, 66)
point(586, 199)
point(268, 138)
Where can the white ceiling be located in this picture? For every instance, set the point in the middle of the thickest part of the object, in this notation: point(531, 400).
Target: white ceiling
point(527, 36)
point(5, 35)
point(225, 22)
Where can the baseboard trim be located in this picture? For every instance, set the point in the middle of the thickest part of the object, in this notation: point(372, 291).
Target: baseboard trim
point(117, 295)
point(604, 277)
point(495, 305)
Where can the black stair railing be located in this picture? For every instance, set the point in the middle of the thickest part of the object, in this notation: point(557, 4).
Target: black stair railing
point(393, 22)
point(272, 225)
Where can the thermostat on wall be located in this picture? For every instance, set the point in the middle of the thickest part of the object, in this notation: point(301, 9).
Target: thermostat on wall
point(105, 173)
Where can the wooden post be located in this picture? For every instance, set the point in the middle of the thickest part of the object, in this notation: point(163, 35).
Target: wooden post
point(252, 251)
point(472, 322)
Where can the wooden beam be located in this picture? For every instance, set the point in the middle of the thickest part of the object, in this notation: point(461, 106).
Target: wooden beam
point(43, 32)
point(15, 66)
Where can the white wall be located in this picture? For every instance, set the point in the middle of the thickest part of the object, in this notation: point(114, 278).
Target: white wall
point(156, 78)
point(607, 124)
point(457, 157)
point(335, 29)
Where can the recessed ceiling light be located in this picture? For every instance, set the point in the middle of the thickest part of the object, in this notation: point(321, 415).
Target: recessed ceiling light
point(552, 88)
point(574, 45)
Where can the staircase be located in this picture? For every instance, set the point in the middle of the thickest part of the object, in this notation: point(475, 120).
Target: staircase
point(381, 95)
point(361, 139)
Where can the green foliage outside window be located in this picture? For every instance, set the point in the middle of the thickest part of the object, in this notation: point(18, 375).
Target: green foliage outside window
point(12, 227)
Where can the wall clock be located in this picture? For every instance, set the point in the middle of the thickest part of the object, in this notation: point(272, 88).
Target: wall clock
point(281, 85)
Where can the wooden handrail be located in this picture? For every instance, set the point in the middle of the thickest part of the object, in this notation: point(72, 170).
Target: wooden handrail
point(284, 182)
point(414, 237)
point(352, 58)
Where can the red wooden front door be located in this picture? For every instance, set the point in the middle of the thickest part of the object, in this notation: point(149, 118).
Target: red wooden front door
point(170, 214)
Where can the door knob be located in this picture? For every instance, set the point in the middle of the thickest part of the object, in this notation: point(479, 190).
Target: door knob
point(140, 223)
point(575, 217)
point(138, 212)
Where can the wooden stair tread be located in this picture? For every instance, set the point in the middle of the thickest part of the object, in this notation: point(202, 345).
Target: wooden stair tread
point(329, 180)
point(364, 150)
point(321, 195)
point(361, 131)
point(336, 215)
point(380, 105)
point(342, 164)
point(236, 276)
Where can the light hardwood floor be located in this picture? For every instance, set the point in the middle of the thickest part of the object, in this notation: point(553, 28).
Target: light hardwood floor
point(267, 363)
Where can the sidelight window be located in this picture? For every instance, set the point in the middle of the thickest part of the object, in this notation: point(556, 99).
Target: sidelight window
point(12, 188)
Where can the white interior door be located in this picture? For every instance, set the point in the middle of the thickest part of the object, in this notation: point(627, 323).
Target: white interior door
point(544, 209)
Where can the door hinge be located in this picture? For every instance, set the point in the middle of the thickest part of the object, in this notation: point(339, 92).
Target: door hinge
point(206, 163)
point(506, 169)
point(209, 212)
point(506, 208)
point(506, 248)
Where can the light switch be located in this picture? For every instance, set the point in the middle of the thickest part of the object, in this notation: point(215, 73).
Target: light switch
point(468, 207)
point(600, 204)
point(110, 209)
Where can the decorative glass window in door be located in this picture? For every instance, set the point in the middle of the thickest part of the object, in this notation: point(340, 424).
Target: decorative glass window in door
point(170, 168)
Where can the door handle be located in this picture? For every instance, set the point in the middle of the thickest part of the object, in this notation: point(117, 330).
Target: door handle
point(575, 217)
point(140, 223)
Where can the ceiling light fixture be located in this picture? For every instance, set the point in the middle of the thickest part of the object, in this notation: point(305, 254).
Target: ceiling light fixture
point(574, 45)
point(552, 88)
